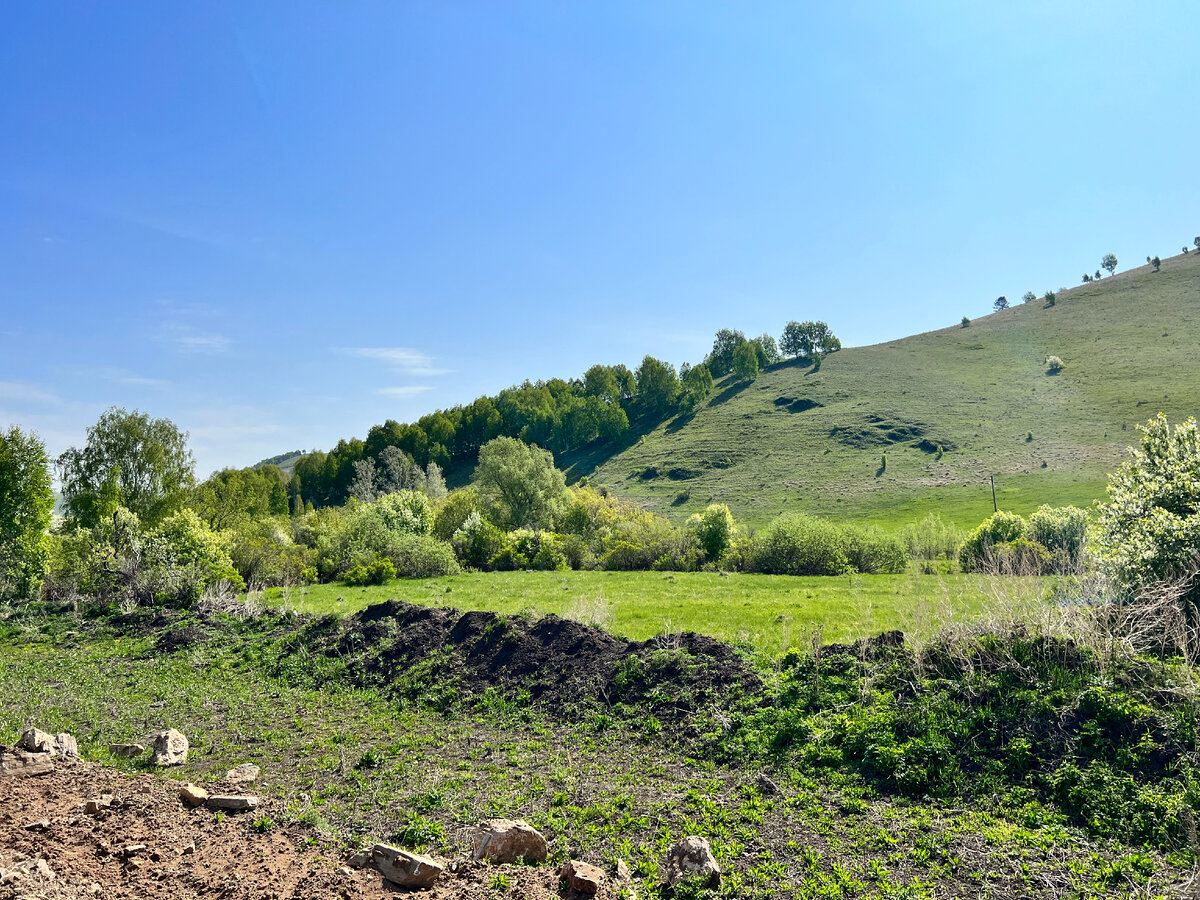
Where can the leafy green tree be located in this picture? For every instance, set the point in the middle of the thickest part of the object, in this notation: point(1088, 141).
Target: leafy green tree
point(26, 504)
point(1028, 297)
point(697, 385)
point(657, 386)
point(966, 322)
point(518, 484)
point(1109, 262)
point(1196, 243)
point(795, 341)
point(131, 460)
point(1054, 365)
point(715, 530)
point(1148, 530)
point(1156, 262)
point(1000, 303)
point(767, 349)
point(1051, 298)
point(745, 361)
point(229, 497)
point(720, 359)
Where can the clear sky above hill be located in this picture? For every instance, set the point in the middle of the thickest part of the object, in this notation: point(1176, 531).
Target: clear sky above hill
point(280, 223)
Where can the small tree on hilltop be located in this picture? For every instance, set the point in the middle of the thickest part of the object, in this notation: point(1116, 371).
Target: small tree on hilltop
point(1001, 303)
point(1097, 275)
point(1051, 298)
point(1086, 278)
point(1156, 262)
point(1109, 262)
point(1029, 297)
point(1196, 243)
point(966, 323)
point(1054, 365)
point(745, 361)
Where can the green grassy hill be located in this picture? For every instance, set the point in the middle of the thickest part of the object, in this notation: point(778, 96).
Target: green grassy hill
point(810, 441)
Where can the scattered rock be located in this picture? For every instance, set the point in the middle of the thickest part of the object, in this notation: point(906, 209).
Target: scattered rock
point(507, 841)
point(66, 746)
point(405, 869)
point(94, 806)
point(127, 751)
point(623, 872)
point(43, 869)
point(24, 763)
point(131, 850)
point(192, 795)
point(692, 857)
point(39, 825)
point(246, 773)
point(34, 740)
point(582, 877)
point(360, 860)
point(234, 802)
point(170, 748)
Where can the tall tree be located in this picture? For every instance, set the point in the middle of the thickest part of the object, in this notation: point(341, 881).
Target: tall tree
point(720, 359)
point(745, 361)
point(519, 484)
point(1109, 262)
point(130, 460)
point(26, 504)
point(657, 386)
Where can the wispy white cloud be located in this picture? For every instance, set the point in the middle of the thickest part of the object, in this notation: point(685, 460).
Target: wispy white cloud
point(124, 376)
point(405, 359)
point(200, 342)
point(25, 393)
point(407, 390)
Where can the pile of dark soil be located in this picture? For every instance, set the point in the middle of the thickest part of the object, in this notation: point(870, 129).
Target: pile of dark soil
point(557, 662)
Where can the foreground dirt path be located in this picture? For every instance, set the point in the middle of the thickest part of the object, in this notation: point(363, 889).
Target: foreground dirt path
point(51, 848)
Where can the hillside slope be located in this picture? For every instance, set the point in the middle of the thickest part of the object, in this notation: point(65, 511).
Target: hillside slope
point(801, 440)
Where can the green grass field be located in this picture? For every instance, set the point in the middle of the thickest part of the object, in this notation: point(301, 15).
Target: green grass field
point(799, 440)
point(771, 612)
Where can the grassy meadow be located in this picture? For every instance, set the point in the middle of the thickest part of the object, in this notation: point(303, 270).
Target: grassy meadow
point(769, 612)
point(813, 441)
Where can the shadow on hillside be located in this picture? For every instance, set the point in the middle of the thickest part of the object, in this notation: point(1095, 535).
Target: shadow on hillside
point(729, 393)
point(679, 422)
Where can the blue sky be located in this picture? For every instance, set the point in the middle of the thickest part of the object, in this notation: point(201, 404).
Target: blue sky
point(280, 223)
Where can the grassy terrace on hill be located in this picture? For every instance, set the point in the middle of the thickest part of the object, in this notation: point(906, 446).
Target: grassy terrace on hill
point(771, 612)
point(799, 440)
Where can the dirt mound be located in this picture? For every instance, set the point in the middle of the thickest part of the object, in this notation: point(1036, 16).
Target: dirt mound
point(147, 844)
point(558, 662)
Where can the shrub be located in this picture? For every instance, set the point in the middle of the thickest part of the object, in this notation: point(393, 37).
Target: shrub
point(931, 538)
point(1149, 528)
point(381, 571)
point(453, 512)
point(549, 556)
point(873, 552)
point(799, 545)
point(477, 542)
point(1063, 532)
point(714, 529)
point(976, 553)
point(966, 322)
point(405, 512)
point(1051, 298)
point(1054, 365)
point(422, 556)
point(1028, 297)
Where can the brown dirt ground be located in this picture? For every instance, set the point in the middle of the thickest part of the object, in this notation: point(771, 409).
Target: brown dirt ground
point(191, 853)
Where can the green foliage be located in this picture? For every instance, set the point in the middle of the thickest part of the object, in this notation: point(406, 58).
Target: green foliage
point(1000, 528)
point(1149, 527)
point(1028, 297)
point(233, 496)
point(720, 359)
point(966, 322)
point(745, 362)
point(26, 504)
point(381, 571)
point(1054, 365)
point(1063, 532)
point(715, 530)
point(804, 340)
point(872, 551)
point(454, 511)
point(129, 460)
point(1051, 298)
point(477, 542)
point(1000, 303)
point(931, 538)
point(1156, 262)
point(697, 384)
point(799, 545)
point(657, 386)
point(1109, 262)
point(518, 484)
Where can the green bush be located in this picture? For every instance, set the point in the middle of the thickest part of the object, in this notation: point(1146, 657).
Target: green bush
point(874, 552)
point(976, 553)
point(715, 529)
point(379, 572)
point(1062, 531)
point(932, 538)
point(477, 542)
point(422, 556)
point(799, 545)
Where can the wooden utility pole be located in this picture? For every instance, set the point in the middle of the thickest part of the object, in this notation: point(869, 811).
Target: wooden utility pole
point(992, 478)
